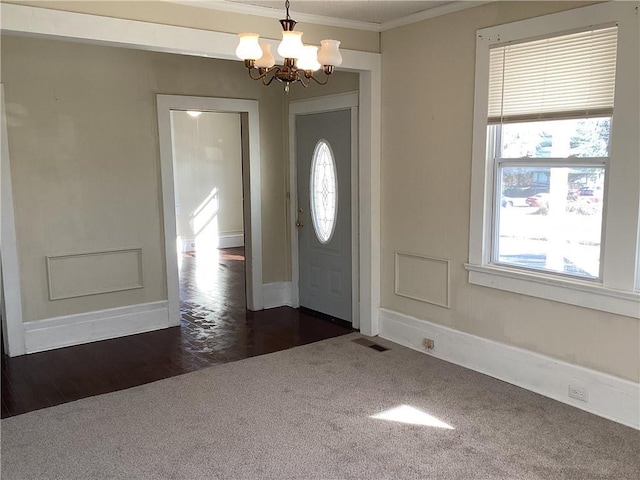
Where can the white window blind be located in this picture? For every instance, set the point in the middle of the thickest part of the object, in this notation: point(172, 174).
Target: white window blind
point(566, 76)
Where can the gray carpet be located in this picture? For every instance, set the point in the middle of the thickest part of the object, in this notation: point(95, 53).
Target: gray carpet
point(307, 413)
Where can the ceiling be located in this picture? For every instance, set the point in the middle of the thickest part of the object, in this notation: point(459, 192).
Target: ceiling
point(374, 15)
point(363, 11)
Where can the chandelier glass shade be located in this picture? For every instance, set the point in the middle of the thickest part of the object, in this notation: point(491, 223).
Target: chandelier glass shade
point(300, 61)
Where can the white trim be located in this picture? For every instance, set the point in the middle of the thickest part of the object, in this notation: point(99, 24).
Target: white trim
point(278, 13)
point(329, 103)
point(608, 396)
point(277, 294)
point(41, 335)
point(355, 226)
point(582, 294)
point(231, 240)
point(251, 191)
point(370, 107)
point(619, 249)
point(186, 41)
point(188, 243)
point(116, 32)
point(10, 269)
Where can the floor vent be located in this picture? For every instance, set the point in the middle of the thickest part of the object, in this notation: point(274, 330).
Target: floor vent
point(368, 343)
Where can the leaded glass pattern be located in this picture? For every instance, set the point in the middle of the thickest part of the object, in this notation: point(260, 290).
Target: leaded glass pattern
point(323, 191)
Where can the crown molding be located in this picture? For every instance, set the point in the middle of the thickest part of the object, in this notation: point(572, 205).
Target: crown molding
point(431, 13)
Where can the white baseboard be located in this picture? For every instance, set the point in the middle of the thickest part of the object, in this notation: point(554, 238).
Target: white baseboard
point(190, 244)
point(276, 295)
point(608, 396)
point(58, 332)
point(187, 244)
point(231, 240)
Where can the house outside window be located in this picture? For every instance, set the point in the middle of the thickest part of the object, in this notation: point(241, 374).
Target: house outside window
point(556, 177)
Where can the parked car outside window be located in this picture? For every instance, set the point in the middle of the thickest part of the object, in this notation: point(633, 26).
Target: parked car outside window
point(517, 196)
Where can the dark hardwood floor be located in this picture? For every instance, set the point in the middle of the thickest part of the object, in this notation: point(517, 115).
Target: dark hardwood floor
point(215, 328)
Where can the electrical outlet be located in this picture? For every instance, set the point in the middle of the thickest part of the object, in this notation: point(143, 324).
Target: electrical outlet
point(428, 343)
point(579, 392)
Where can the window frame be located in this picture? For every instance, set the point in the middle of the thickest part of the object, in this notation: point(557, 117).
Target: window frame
point(616, 291)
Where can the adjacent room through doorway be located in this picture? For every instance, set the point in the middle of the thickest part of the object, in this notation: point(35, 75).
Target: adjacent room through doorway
point(207, 161)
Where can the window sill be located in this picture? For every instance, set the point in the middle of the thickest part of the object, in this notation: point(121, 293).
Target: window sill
point(573, 292)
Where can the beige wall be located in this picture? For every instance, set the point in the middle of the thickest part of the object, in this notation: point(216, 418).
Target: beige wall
point(426, 177)
point(208, 172)
point(158, 11)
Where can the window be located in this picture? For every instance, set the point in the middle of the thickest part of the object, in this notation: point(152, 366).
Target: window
point(550, 110)
point(323, 192)
point(556, 177)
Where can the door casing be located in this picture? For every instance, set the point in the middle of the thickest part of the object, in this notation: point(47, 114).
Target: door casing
point(10, 296)
point(248, 110)
point(329, 103)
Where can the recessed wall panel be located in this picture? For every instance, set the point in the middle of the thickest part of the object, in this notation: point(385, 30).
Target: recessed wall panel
point(422, 278)
point(78, 275)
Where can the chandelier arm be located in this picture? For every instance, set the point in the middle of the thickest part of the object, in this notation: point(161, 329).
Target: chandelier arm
point(261, 75)
point(266, 82)
point(301, 80)
point(319, 82)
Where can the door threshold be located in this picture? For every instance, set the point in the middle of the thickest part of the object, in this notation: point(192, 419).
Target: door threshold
point(324, 316)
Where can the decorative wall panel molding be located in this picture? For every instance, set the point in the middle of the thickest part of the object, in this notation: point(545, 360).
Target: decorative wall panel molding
point(422, 278)
point(82, 274)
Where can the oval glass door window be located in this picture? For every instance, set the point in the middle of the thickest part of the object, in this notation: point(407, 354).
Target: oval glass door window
point(323, 192)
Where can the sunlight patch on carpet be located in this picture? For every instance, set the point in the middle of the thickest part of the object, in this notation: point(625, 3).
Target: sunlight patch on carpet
point(407, 414)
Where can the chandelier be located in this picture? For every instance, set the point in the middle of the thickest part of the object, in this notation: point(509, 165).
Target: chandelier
point(300, 61)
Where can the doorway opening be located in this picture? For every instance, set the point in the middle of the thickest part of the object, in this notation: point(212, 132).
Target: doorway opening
point(194, 223)
point(207, 166)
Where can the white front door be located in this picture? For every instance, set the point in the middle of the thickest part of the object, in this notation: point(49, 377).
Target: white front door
point(323, 155)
